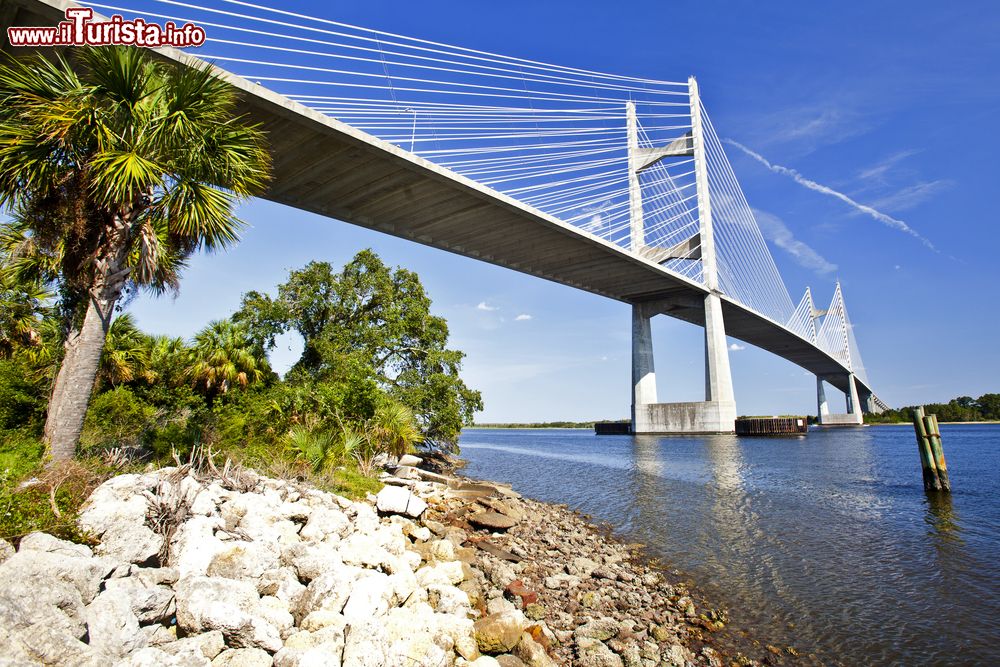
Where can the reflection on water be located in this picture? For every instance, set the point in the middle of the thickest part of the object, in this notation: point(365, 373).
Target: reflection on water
point(827, 542)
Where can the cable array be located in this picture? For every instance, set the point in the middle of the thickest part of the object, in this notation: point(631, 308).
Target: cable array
point(550, 136)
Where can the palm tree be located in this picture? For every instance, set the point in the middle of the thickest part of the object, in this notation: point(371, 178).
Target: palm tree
point(224, 357)
point(126, 353)
point(393, 428)
point(168, 361)
point(120, 169)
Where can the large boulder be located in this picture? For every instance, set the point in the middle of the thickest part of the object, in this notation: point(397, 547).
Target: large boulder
point(322, 648)
point(41, 643)
point(194, 545)
point(118, 501)
point(131, 543)
point(493, 521)
point(150, 603)
point(328, 592)
point(244, 560)
point(399, 500)
point(370, 597)
point(243, 657)
point(207, 645)
point(227, 605)
point(112, 626)
point(499, 633)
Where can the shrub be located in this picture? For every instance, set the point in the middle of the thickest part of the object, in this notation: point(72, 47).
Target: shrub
point(116, 418)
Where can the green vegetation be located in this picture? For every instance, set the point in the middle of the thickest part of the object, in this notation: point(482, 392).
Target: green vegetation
point(375, 378)
point(961, 409)
point(540, 425)
point(115, 171)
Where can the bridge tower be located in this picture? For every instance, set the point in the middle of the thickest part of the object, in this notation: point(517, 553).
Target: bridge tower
point(836, 329)
point(717, 413)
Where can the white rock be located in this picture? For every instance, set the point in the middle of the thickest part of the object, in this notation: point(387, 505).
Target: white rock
point(399, 500)
point(130, 543)
point(244, 560)
point(6, 550)
point(214, 603)
point(34, 571)
point(366, 551)
point(441, 573)
point(410, 460)
point(448, 600)
point(322, 648)
point(421, 534)
point(206, 645)
point(277, 613)
point(150, 604)
point(157, 635)
point(112, 626)
point(154, 657)
point(311, 560)
point(366, 645)
point(243, 657)
point(194, 545)
point(324, 521)
point(46, 543)
point(484, 661)
point(369, 598)
point(117, 501)
point(283, 584)
point(45, 644)
point(328, 592)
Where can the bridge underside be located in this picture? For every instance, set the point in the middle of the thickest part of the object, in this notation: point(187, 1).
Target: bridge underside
point(327, 167)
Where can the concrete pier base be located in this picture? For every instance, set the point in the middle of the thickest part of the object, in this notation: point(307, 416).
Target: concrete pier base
point(685, 418)
point(853, 416)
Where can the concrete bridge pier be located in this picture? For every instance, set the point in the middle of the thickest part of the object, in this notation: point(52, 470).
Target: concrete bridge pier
point(717, 413)
point(854, 416)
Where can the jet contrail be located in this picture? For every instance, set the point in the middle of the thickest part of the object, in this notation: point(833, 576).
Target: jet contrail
point(819, 187)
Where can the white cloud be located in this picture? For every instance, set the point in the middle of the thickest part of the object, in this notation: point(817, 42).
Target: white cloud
point(775, 231)
point(887, 220)
point(736, 347)
point(878, 171)
point(912, 195)
point(522, 317)
point(483, 306)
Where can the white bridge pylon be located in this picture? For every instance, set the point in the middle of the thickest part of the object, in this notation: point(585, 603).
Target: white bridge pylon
point(617, 185)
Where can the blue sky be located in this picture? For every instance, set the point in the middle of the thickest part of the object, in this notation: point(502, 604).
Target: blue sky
point(892, 104)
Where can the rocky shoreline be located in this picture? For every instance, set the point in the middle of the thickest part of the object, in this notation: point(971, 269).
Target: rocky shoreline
point(197, 566)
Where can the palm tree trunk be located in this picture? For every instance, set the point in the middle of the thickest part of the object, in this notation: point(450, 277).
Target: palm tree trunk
point(75, 380)
point(78, 371)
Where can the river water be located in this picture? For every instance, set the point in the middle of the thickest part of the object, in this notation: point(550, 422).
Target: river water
point(827, 542)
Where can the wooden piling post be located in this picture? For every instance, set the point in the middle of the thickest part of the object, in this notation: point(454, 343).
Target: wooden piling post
point(927, 463)
point(934, 435)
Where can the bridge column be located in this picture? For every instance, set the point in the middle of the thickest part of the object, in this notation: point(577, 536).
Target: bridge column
point(718, 376)
point(822, 407)
point(853, 404)
point(643, 372)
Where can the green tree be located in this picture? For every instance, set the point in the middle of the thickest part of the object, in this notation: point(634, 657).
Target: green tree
point(126, 353)
point(369, 321)
point(989, 405)
point(118, 170)
point(223, 357)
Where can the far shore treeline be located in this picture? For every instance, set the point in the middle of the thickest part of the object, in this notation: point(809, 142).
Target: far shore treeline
point(960, 409)
point(986, 408)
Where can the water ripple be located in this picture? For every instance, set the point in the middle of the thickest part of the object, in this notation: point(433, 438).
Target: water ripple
point(826, 542)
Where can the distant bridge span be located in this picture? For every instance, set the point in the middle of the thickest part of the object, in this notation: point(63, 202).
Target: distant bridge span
point(328, 167)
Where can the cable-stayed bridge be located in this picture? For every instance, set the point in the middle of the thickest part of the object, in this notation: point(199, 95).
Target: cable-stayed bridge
point(612, 184)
